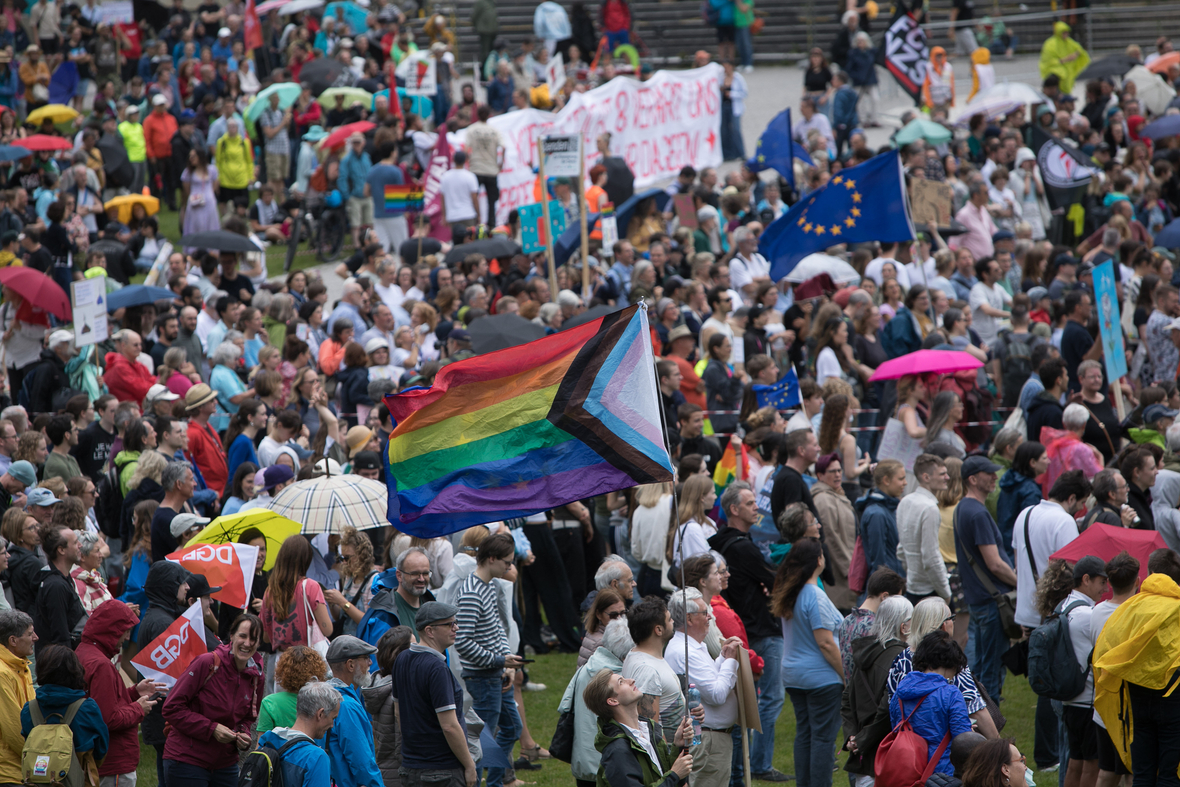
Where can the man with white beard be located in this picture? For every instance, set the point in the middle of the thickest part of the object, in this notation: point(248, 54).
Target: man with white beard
point(350, 743)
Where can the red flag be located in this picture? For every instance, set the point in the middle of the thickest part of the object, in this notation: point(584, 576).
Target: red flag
point(167, 656)
point(252, 28)
point(228, 566)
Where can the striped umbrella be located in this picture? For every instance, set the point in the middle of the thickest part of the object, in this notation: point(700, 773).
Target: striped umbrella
point(326, 504)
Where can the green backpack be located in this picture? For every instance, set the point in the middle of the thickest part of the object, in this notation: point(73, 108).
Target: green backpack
point(48, 756)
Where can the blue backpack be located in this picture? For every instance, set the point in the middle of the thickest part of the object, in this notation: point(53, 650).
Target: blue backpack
point(381, 616)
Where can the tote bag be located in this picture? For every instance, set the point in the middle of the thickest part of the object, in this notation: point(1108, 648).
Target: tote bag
point(315, 637)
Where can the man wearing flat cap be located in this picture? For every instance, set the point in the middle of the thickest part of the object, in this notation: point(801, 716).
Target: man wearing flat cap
point(350, 743)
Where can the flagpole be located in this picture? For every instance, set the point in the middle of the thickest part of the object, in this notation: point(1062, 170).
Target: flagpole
point(550, 240)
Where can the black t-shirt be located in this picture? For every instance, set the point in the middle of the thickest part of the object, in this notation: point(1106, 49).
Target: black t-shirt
point(1075, 343)
point(409, 249)
point(966, 9)
point(93, 450)
point(236, 286)
point(163, 542)
point(40, 259)
point(1096, 435)
point(789, 487)
point(974, 527)
point(817, 81)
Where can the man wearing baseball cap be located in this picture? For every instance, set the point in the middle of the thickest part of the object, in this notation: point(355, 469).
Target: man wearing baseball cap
point(982, 569)
point(350, 744)
point(431, 700)
point(48, 378)
point(200, 590)
point(1089, 585)
point(367, 464)
point(159, 401)
point(21, 475)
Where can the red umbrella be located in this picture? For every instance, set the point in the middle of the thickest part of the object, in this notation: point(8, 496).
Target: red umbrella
point(338, 137)
point(1106, 541)
point(37, 289)
point(43, 142)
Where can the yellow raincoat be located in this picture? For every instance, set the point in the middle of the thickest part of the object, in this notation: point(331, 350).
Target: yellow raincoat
point(1053, 53)
point(16, 689)
point(1139, 644)
point(983, 73)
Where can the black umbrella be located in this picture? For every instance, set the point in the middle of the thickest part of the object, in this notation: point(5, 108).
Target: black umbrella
point(219, 240)
point(501, 331)
point(1109, 66)
point(115, 163)
point(489, 247)
point(321, 74)
point(589, 315)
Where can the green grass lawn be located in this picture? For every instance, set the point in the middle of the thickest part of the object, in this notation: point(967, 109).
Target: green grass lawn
point(555, 671)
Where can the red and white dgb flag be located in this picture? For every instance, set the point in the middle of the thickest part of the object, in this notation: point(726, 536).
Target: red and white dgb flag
point(227, 566)
point(167, 656)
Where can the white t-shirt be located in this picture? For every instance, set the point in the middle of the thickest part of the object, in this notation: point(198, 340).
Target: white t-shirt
point(873, 271)
point(457, 186)
point(826, 365)
point(1098, 617)
point(987, 327)
point(269, 450)
point(915, 272)
point(1049, 529)
point(743, 271)
point(696, 539)
point(653, 676)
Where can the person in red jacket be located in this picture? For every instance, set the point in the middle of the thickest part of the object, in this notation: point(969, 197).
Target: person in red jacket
point(615, 17)
point(123, 707)
point(126, 378)
point(203, 443)
point(158, 129)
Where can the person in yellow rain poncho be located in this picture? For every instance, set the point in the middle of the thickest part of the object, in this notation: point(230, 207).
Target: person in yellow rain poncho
point(983, 73)
point(1136, 661)
point(1063, 56)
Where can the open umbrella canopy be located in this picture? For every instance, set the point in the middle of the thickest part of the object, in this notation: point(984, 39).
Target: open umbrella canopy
point(299, 5)
point(326, 504)
point(137, 295)
point(501, 331)
point(125, 202)
point(991, 108)
point(327, 99)
point(489, 247)
point(13, 153)
point(270, 5)
point(590, 315)
point(288, 93)
point(340, 135)
point(1154, 94)
point(38, 289)
point(57, 113)
point(321, 73)
point(351, 13)
point(926, 362)
point(43, 142)
point(814, 264)
point(1024, 93)
point(1105, 541)
point(228, 529)
point(1162, 63)
point(219, 240)
point(1167, 126)
point(1109, 66)
point(921, 128)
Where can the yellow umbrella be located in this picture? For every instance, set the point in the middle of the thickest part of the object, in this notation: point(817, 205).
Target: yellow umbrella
point(125, 202)
point(58, 113)
point(228, 529)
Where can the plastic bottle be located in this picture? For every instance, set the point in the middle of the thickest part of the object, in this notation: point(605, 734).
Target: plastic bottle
point(694, 701)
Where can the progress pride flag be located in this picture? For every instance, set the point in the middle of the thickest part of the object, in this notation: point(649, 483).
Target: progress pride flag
point(659, 126)
point(228, 566)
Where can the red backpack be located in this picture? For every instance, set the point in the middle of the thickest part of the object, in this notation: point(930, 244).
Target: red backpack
point(902, 757)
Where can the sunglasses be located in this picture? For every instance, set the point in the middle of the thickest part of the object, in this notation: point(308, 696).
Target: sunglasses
point(615, 615)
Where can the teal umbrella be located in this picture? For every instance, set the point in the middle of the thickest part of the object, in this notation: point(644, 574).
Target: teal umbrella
point(921, 128)
point(287, 92)
point(351, 13)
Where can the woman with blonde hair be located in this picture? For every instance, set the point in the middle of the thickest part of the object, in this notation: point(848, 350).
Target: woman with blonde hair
point(834, 436)
point(650, 518)
point(423, 321)
point(31, 448)
point(356, 581)
point(948, 499)
point(693, 526)
point(143, 485)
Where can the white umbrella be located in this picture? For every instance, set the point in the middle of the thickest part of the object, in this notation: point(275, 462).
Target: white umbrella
point(814, 264)
point(991, 107)
point(324, 505)
point(300, 5)
point(1154, 94)
point(1016, 91)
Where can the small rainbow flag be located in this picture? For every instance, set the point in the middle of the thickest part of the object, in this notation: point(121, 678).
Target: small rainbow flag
point(407, 197)
point(726, 471)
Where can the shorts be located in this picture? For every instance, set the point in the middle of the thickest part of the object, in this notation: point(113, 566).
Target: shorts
point(82, 88)
point(1082, 731)
point(226, 194)
point(726, 33)
point(277, 165)
point(360, 211)
point(49, 46)
point(958, 601)
point(1108, 756)
point(392, 232)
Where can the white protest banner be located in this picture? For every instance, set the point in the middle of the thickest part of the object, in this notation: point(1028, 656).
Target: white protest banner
point(90, 311)
point(227, 566)
point(420, 71)
point(671, 121)
point(554, 74)
point(166, 657)
point(561, 156)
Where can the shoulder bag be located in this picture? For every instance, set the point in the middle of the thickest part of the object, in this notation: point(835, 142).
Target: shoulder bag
point(1005, 602)
point(315, 637)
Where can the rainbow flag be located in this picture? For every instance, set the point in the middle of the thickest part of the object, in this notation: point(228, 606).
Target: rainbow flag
point(726, 471)
point(407, 197)
point(529, 428)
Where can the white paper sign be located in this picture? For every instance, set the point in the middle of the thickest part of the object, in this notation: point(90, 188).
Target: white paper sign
point(90, 310)
point(554, 75)
point(610, 234)
point(563, 156)
point(117, 12)
point(420, 71)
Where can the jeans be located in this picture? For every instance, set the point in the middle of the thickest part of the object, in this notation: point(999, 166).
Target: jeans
point(744, 42)
point(181, 774)
point(1155, 749)
point(421, 777)
point(497, 708)
point(770, 701)
point(987, 644)
point(817, 722)
point(616, 39)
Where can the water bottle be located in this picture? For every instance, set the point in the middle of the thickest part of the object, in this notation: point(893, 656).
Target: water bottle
point(694, 701)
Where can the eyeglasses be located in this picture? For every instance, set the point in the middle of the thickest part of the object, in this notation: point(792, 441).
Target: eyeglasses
point(454, 624)
point(417, 574)
point(1021, 759)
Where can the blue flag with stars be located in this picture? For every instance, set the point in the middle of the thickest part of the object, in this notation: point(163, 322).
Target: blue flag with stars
point(782, 395)
point(776, 149)
point(863, 203)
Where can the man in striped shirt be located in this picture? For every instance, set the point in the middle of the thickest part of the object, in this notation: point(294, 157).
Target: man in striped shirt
point(482, 642)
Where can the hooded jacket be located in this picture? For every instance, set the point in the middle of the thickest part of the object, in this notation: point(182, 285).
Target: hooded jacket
point(129, 381)
point(878, 531)
point(943, 710)
point(751, 577)
point(863, 705)
point(90, 732)
point(117, 701)
point(16, 688)
point(211, 692)
point(125, 464)
point(1018, 492)
point(624, 763)
point(586, 758)
point(57, 609)
point(1056, 48)
point(1044, 411)
point(350, 741)
point(163, 582)
point(24, 567)
point(304, 763)
point(1165, 497)
point(387, 734)
point(49, 376)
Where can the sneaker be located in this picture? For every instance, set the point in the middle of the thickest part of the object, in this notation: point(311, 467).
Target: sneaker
point(774, 775)
point(530, 686)
point(748, 69)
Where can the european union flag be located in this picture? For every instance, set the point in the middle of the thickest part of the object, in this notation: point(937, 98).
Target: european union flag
point(782, 395)
point(776, 149)
point(864, 203)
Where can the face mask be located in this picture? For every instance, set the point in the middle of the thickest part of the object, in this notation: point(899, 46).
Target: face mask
point(1028, 777)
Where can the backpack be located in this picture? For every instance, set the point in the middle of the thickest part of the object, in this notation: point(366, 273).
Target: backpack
point(48, 756)
point(263, 766)
point(902, 756)
point(108, 508)
point(710, 13)
point(1017, 366)
point(1053, 669)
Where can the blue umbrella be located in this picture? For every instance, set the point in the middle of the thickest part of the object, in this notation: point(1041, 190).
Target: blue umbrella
point(1169, 236)
point(571, 239)
point(13, 153)
point(1167, 126)
point(137, 295)
point(351, 13)
point(625, 211)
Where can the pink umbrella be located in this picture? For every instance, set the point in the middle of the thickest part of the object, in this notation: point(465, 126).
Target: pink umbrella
point(271, 5)
point(926, 362)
